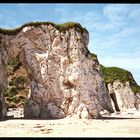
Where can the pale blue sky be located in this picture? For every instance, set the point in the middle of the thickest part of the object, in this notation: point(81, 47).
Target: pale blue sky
point(114, 29)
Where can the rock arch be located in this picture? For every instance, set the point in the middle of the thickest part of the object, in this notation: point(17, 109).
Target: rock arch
point(113, 96)
point(65, 81)
point(124, 90)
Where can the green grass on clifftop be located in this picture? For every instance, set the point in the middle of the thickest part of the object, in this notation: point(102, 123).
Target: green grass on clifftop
point(111, 74)
point(94, 56)
point(60, 27)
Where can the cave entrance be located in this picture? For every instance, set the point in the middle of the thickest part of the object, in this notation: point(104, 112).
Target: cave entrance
point(17, 91)
point(114, 100)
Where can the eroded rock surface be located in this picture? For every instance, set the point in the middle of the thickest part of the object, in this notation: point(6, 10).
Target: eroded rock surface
point(3, 107)
point(65, 81)
point(122, 87)
point(3, 81)
point(126, 99)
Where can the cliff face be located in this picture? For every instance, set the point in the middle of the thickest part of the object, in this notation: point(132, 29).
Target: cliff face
point(124, 94)
point(3, 107)
point(123, 89)
point(65, 81)
point(3, 80)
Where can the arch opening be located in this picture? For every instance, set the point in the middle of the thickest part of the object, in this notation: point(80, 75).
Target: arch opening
point(17, 90)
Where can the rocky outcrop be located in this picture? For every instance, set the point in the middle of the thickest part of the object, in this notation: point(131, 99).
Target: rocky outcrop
point(137, 101)
point(3, 81)
point(3, 107)
point(123, 89)
point(124, 95)
point(65, 81)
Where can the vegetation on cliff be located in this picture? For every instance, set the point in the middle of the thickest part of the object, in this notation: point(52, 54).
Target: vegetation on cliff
point(60, 27)
point(111, 74)
point(94, 56)
point(17, 91)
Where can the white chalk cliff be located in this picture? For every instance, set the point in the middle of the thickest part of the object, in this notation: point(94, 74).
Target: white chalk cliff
point(122, 87)
point(125, 97)
point(65, 81)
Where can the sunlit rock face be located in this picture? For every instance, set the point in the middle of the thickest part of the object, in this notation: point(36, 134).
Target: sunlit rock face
point(137, 101)
point(125, 97)
point(65, 81)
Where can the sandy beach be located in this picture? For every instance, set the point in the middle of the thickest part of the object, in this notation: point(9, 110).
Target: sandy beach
point(114, 125)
